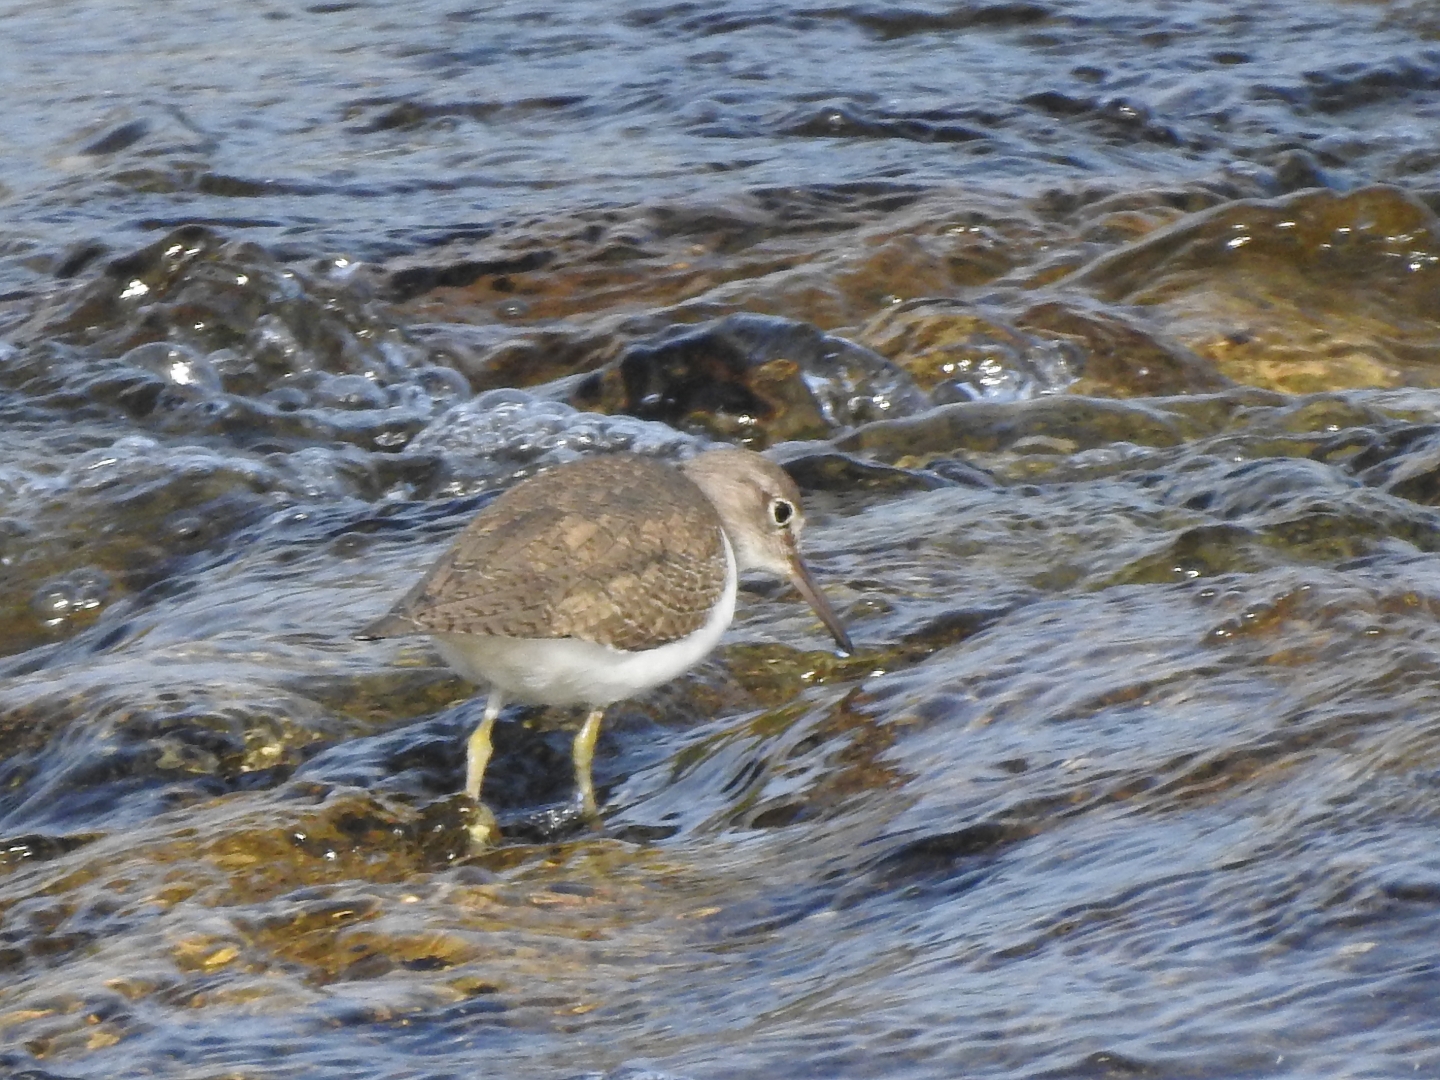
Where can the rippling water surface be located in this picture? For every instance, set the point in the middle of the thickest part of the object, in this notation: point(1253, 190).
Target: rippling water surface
point(1102, 341)
point(367, 129)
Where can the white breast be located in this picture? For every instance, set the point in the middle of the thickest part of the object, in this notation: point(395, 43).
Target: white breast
point(568, 671)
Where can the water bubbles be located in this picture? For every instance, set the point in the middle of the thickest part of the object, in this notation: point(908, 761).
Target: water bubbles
point(79, 592)
point(186, 527)
point(176, 364)
point(349, 392)
point(499, 402)
point(340, 268)
point(275, 344)
point(120, 462)
point(320, 473)
point(444, 385)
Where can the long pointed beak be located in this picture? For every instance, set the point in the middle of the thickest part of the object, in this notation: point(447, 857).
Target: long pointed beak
point(801, 579)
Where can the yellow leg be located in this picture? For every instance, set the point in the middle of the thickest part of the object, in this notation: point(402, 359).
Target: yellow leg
point(584, 755)
point(477, 750)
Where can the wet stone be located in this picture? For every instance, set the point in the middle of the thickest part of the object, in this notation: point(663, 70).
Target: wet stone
point(1267, 269)
point(753, 378)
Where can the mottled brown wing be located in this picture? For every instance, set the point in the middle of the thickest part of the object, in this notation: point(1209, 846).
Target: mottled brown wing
point(619, 550)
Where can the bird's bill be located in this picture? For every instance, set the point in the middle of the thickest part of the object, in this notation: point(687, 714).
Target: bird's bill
point(801, 579)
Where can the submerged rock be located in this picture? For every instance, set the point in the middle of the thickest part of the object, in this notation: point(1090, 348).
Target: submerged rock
point(753, 378)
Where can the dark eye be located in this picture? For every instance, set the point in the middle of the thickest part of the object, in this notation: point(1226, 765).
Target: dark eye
point(782, 511)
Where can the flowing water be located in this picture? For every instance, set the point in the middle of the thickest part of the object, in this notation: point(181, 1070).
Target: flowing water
point(1102, 339)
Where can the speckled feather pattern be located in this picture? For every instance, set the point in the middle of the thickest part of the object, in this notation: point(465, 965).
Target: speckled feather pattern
point(618, 550)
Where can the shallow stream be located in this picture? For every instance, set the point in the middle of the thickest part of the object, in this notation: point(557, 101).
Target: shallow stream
point(1102, 339)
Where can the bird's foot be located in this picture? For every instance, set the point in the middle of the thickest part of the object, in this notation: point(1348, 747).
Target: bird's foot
point(482, 826)
point(585, 809)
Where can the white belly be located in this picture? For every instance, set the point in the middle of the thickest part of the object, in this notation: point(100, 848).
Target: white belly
point(568, 671)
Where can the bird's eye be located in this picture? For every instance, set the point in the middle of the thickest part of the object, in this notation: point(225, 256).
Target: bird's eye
point(782, 511)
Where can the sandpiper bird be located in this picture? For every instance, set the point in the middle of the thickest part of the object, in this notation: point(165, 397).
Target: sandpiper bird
point(600, 579)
